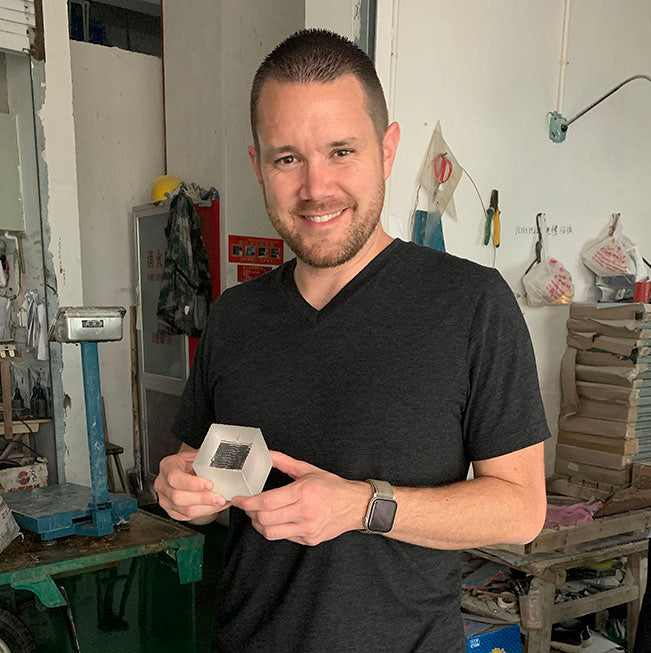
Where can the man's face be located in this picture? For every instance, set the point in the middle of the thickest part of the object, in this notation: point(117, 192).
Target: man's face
point(321, 167)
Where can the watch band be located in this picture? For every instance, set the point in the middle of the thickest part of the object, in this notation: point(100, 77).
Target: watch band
point(381, 489)
point(382, 507)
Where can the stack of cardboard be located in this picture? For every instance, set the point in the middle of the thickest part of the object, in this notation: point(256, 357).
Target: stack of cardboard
point(605, 421)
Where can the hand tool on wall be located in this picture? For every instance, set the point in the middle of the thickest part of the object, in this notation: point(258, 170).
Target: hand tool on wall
point(493, 218)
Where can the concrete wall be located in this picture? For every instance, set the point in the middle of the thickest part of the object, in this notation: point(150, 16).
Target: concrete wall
point(207, 99)
point(491, 77)
point(118, 117)
point(55, 140)
point(19, 96)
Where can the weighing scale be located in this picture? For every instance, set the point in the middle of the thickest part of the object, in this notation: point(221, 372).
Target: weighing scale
point(68, 508)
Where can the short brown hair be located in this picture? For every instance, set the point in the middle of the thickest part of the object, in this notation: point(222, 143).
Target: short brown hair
point(320, 56)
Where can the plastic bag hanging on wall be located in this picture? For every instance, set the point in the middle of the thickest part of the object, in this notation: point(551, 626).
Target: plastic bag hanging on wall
point(439, 178)
point(547, 282)
point(614, 254)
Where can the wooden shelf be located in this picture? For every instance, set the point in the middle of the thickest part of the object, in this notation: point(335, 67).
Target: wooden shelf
point(21, 427)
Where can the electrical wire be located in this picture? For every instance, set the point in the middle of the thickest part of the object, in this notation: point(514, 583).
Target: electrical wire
point(8, 441)
point(483, 206)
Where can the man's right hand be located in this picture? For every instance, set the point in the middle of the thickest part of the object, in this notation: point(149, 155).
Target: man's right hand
point(184, 495)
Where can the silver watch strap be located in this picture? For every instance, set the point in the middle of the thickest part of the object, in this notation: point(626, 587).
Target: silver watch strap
point(381, 489)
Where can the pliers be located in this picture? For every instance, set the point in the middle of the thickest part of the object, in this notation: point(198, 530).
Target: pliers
point(493, 216)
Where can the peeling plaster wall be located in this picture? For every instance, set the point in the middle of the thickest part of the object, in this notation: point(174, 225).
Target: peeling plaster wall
point(118, 116)
point(60, 215)
point(19, 95)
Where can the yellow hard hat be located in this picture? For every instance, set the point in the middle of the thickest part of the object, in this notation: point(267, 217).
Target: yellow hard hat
point(163, 187)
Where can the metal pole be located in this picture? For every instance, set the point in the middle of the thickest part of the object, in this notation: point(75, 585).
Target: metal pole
point(94, 425)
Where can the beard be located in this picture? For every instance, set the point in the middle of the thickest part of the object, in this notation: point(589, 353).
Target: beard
point(360, 228)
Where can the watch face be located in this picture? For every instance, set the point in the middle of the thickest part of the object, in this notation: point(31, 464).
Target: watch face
point(383, 512)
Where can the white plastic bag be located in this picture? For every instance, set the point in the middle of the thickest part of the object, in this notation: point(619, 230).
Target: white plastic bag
point(614, 254)
point(547, 282)
point(8, 527)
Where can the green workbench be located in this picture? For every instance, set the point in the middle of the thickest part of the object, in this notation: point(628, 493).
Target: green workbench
point(33, 565)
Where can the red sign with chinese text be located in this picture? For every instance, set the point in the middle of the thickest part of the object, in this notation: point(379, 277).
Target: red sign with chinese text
point(249, 249)
point(248, 272)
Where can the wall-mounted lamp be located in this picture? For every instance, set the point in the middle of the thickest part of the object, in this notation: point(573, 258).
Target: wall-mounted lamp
point(558, 124)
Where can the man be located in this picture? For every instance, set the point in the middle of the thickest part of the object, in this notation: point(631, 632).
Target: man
point(384, 361)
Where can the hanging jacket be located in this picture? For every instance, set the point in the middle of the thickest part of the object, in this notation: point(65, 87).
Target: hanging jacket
point(185, 297)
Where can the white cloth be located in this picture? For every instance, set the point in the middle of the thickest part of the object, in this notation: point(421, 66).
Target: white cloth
point(43, 353)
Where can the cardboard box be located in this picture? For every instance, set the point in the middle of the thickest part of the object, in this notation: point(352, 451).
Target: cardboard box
point(595, 473)
point(603, 427)
point(592, 457)
point(624, 311)
point(621, 346)
point(623, 446)
point(641, 475)
point(487, 638)
point(26, 477)
point(632, 329)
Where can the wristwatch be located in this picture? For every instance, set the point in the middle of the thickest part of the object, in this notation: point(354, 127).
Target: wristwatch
point(381, 508)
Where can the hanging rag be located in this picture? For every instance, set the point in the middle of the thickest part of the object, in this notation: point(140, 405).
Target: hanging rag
point(5, 318)
point(43, 352)
point(30, 306)
point(185, 296)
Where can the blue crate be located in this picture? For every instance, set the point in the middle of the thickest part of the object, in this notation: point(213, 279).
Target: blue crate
point(495, 639)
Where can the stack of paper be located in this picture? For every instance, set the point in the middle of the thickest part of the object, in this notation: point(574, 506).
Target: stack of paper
point(605, 421)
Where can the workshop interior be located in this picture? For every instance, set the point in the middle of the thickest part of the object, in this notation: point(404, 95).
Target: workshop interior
point(124, 124)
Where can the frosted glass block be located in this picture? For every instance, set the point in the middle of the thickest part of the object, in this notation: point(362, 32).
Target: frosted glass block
point(235, 459)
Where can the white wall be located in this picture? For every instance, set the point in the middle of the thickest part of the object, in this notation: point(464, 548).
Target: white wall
point(489, 73)
point(118, 116)
point(341, 16)
point(207, 137)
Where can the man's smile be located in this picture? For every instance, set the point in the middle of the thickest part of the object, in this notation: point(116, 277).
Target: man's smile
point(326, 217)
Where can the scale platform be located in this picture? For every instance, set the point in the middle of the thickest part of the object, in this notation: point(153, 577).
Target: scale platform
point(59, 510)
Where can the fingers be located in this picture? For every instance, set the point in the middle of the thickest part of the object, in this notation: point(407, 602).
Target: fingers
point(269, 500)
point(291, 466)
point(191, 512)
point(181, 493)
point(183, 480)
point(280, 532)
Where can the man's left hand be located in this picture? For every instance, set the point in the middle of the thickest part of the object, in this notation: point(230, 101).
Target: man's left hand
point(317, 506)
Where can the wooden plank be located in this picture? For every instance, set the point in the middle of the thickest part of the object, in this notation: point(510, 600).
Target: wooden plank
point(5, 376)
point(623, 446)
point(627, 311)
point(607, 410)
point(641, 475)
point(594, 342)
point(629, 329)
point(579, 489)
point(558, 539)
point(603, 358)
point(595, 473)
point(601, 601)
point(592, 426)
point(600, 458)
point(24, 427)
point(613, 393)
point(552, 564)
point(23, 559)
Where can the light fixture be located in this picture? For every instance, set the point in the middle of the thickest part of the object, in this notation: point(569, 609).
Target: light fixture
point(558, 124)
